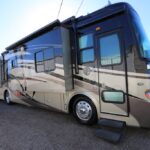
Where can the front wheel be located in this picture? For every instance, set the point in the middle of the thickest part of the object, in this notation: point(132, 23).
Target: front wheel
point(7, 98)
point(85, 111)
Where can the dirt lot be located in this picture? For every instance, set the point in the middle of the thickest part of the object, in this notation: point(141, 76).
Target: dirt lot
point(24, 128)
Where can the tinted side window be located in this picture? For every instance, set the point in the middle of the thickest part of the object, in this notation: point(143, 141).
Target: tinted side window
point(86, 48)
point(49, 61)
point(110, 50)
point(14, 62)
point(48, 54)
point(87, 55)
point(86, 41)
point(39, 62)
point(39, 56)
point(45, 60)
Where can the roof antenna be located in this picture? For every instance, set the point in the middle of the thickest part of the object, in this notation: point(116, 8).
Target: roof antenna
point(109, 2)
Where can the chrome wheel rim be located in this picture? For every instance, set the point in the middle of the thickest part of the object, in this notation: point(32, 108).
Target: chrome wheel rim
point(83, 110)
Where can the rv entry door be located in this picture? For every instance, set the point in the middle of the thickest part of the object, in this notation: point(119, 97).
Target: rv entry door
point(111, 73)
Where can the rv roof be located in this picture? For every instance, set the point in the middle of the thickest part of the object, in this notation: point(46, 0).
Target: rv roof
point(81, 21)
point(102, 13)
point(35, 34)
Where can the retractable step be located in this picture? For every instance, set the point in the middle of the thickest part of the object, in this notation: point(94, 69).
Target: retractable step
point(111, 123)
point(108, 135)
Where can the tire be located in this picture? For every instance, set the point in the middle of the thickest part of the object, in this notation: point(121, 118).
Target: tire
point(84, 111)
point(7, 98)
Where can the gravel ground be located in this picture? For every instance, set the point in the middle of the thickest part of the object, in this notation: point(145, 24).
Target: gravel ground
point(25, 128)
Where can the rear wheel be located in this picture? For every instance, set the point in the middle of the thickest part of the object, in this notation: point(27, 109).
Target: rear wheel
point(84, 111)
point(7, 98)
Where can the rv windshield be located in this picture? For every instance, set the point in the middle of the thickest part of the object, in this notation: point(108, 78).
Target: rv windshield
point(144, 43)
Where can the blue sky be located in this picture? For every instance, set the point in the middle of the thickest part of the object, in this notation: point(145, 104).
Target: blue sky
point(22, 17)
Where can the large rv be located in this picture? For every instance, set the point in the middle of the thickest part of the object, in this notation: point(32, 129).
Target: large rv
point(95, 66)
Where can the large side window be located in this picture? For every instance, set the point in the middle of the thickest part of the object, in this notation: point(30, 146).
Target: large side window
point(49, 61)
point(45, 60)
point(110, 49)
point(39, 62)
point(86, 48)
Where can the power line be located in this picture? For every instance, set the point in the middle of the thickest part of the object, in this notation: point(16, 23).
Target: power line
point(79, 7)
point(60, 8)
point(109, 2)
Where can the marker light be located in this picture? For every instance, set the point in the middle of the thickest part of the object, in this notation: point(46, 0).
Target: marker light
point(18, 93)
point(98, 28)
point(147, 94)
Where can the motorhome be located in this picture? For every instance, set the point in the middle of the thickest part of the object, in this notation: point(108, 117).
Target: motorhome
point(94, 66)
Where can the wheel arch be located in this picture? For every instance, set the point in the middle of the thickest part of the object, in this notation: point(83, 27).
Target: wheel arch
point(89, 96)
point(4, 92)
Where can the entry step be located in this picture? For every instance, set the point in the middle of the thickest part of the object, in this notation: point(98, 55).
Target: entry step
point(109, 135)
point(111, 123)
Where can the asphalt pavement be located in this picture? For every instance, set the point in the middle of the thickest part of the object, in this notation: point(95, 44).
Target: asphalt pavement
point(28, 128)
